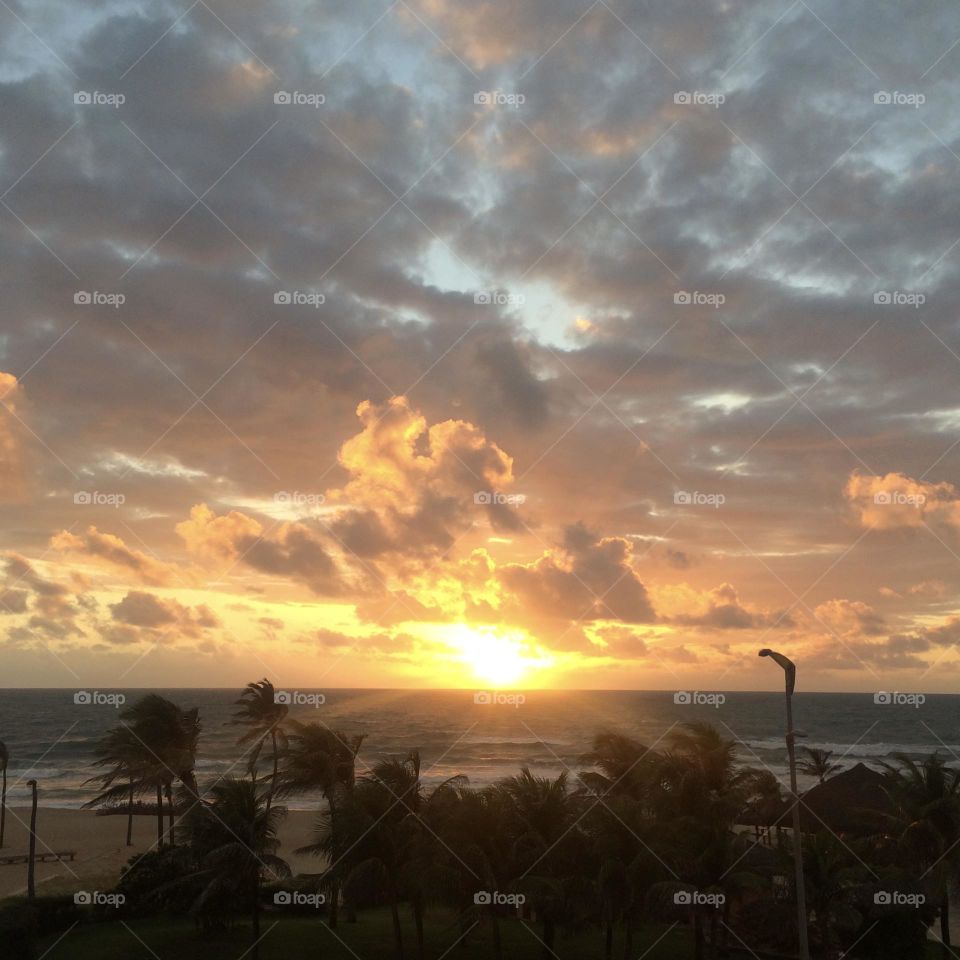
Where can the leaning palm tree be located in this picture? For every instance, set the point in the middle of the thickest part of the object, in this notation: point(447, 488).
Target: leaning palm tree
point(925, 824)
point(4, 760)
point(234, 838)
point(131, 770)
point(817, 763)
point(318, 759)
point(263, 717)
point(169, 736)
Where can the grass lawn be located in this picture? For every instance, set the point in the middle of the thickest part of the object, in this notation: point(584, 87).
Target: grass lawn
point(371, 938)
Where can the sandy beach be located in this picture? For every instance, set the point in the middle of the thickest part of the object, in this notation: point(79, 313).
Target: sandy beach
point(101, 850)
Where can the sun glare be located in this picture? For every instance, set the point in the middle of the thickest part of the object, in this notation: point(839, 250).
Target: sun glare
point(494, 656)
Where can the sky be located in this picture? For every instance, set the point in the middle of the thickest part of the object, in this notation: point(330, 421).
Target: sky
point(555, 344)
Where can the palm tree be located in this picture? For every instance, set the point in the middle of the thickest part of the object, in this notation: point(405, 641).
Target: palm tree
point(4, 760)
point(817, 763)
point(168, 736)
point(234, 838)
point(318, 759)
point(263, 717)
point(132, 770)
point(549, 855)
point(925, 824)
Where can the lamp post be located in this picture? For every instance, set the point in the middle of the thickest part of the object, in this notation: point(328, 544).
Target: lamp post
point(31, 862)
point(790, 675)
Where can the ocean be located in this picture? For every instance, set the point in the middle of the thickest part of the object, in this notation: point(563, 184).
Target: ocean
point(52, 738)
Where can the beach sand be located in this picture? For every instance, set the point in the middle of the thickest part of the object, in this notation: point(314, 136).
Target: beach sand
point(101, 850)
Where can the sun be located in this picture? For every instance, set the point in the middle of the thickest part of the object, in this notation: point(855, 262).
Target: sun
point(493, 655)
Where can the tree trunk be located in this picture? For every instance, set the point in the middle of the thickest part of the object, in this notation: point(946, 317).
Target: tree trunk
point(697, 936)
point(945, 924)
point(130, 818)
point(31, 864)
point(497, 942)
point(397, 932)
point(170, 833)
point(159, 817)
point(3, 806)
point(548, 935)
point(608, 943)
point(273, 779)
point(255, 950)
point(334, 915)
point(628, 943)
point(418, 920)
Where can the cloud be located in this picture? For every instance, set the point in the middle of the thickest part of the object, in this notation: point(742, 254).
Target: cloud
point(895, 501)
point(293, 551)
point(11, 453)
point(719, 608)
point(112, 552)
point(155, 617)
point(588, 577)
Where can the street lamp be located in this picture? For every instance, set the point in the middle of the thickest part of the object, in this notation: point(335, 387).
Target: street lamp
point(32, 859)
point(790, 675)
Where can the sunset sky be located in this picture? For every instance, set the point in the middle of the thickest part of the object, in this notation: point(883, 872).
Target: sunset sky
point(433, 343)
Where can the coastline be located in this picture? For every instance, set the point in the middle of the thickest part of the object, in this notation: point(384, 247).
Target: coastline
point(101, 850)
